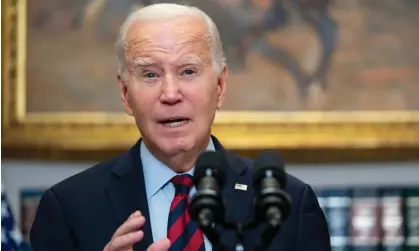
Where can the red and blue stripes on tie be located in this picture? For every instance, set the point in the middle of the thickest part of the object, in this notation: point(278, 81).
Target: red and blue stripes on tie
point(182, 231)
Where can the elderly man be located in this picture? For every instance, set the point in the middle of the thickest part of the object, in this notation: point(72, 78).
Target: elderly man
point(172, 79)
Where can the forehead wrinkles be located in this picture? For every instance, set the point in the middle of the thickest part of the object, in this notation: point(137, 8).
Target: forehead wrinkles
point(151, 39)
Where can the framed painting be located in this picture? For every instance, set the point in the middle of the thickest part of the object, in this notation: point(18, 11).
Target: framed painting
point(310, 74)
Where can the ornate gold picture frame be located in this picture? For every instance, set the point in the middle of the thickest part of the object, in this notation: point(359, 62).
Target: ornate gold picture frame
point(238, 129)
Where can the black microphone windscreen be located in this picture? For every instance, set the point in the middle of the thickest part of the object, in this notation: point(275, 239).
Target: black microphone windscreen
point(269, 160)
point(210, 160)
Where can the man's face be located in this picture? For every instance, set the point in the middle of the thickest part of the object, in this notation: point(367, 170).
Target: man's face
point(172, 87)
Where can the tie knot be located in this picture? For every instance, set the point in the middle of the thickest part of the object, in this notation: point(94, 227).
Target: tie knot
point(183, 183)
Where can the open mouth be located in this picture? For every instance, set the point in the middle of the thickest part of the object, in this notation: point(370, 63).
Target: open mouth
point(174, 122)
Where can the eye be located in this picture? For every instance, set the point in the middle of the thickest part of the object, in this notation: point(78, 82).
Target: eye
point(150, 75)
point(188, 72)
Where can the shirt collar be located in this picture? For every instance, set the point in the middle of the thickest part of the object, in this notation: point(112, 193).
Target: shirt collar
point(157, 174)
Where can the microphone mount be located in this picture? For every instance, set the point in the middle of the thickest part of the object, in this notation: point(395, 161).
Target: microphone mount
point(271, 204)
point(271, 207)
point(271, 228)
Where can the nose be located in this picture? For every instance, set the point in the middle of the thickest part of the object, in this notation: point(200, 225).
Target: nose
point(170, 93)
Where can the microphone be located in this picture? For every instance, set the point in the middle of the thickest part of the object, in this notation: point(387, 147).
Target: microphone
point(206, 205)
point(271, 203)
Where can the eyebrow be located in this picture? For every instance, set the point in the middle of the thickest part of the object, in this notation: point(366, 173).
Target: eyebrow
point(142, 62)
point(193, 61)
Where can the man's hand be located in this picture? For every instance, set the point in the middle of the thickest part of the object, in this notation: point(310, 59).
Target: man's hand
point(129, 233)
point(160, 245)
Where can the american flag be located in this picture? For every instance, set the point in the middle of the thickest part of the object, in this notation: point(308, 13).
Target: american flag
point(11, 238)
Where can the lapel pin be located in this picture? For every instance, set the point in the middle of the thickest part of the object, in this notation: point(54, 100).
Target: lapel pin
point(240, 187)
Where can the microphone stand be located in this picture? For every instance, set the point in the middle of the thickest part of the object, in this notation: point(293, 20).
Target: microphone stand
point(214, 237)
point(270, 206)
point(262, 243)
point(268, 235)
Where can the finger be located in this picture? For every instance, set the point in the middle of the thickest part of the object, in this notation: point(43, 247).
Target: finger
point(160, 245)
point(125, 241)
point(134, 214)
point(130, 225)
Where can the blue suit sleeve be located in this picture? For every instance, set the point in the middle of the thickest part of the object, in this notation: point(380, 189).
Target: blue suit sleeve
point(313, 233)
point(50, 231)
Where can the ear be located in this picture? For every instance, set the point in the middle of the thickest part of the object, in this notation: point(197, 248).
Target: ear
point(222, 86)
point(123, 89)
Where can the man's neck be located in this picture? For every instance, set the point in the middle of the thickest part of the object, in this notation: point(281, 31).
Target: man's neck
point(182, 161)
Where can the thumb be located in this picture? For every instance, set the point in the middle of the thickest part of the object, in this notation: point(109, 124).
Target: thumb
point(160, 245)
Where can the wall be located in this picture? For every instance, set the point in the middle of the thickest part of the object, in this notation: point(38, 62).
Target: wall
point(18, 174)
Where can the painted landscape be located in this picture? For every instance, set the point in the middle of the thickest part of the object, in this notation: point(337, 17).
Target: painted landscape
point(291, 55)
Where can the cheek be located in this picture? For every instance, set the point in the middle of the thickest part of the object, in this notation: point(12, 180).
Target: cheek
point(140, 101)
point(204, 98)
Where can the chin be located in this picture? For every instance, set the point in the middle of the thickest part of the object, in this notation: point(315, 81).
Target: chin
point(178, 144)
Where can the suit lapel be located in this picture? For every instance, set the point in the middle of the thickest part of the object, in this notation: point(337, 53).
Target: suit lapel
point(237, 201)
point(127, 192)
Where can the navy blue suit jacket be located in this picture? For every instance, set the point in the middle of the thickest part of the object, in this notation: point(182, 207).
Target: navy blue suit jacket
point(82, 212)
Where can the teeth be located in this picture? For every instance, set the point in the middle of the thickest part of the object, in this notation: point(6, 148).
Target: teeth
point(175, 124)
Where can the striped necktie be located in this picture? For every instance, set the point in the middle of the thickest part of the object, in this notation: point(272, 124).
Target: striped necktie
point(183, 233)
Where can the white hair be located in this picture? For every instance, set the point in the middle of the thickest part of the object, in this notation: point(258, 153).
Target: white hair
point(164, 12)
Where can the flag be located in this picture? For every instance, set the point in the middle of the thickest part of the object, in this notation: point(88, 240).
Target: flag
point(11, 238)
